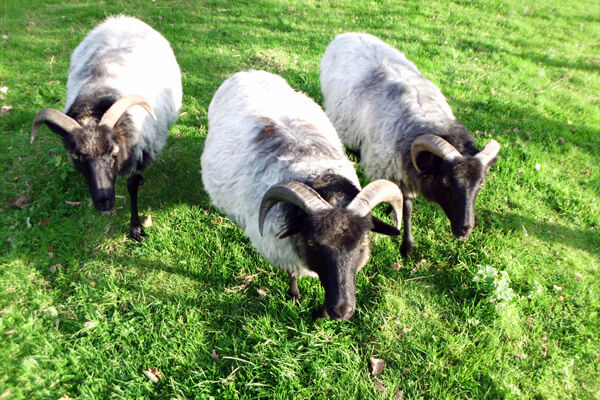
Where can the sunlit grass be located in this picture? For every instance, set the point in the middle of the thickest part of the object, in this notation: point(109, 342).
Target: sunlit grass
point(84, 311)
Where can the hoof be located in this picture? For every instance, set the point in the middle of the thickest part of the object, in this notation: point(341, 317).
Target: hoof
point(405, 248)
point(137, 233)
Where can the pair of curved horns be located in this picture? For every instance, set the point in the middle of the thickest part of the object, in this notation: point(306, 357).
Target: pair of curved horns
point(441, 148)
point(109, 119)
point(311, 202)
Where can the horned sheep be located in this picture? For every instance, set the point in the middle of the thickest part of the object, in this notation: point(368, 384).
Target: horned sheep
point(274, 164)
point(382, 105)
point(123, 93)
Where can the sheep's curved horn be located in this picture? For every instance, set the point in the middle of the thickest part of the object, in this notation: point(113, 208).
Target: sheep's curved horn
point(488, 152)
point(433, 144)
point(293, 192)
point(55, 117)
point(116, 111)
point(379, 191)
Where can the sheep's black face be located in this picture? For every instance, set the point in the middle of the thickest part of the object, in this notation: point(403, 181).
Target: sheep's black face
point(454, 186)
point(97, 157)
point(335, 244)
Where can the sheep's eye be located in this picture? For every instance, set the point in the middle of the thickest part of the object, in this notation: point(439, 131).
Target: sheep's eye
point(310, 243)
point(446, 181)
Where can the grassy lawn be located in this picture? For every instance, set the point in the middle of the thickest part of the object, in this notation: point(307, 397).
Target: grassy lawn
point(511, 313)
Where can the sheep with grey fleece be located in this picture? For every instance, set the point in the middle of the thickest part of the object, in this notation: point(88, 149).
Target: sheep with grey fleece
point(274, 164)
point(123, 93)
point(404, 128)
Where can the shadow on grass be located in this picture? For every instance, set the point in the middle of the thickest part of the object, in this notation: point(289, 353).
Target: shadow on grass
point(580, 239)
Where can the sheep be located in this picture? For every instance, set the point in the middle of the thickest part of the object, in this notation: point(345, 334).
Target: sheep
point(123, 93)
point(403, 127)
point(274, 164)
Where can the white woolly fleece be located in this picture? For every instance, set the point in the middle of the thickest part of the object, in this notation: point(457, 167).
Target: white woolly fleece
point(127, 55)
point(359, 74)
point(237, 172)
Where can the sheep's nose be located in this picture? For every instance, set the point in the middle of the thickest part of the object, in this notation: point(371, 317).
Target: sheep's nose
point(104, 203)
point(463, 232)
point(344, 311)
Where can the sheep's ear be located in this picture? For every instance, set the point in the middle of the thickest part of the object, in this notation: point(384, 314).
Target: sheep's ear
point(289, 230)
point(491, 163)
point(385, 229)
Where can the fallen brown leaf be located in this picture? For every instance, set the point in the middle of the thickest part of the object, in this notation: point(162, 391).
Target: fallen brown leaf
point(378, 385)
point(399, 394)
point(90, 324)
point(147, 221)
point(5, 109)
point(214, 355)
point(153, 374)
point(397, 266)
point(54, 268)
point(21, 202)
point(261, 293)
point(561, 298)
point(44, 221)
point(377, 365)
point(520, 356)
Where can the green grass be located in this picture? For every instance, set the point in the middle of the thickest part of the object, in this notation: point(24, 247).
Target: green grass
point(84, 310)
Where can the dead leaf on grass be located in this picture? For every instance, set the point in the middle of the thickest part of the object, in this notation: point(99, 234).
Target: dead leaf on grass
point(397, 266)
point(578, 276)
point(65, 397)
point(90, 324)
point(147, 221)
point(377, 365)
point(520, 356)
point(54, 268)
point(399, 394)
point(153, 374)
point(261, 293)
point(5, 394)
point(214, 355)
point(73, 203)
point(21, 202)
point(5, 109)
point(378, 385)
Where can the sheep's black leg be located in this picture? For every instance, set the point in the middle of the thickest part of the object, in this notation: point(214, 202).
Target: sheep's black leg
point(407, 238)
point(134, 181)
point(294, 291)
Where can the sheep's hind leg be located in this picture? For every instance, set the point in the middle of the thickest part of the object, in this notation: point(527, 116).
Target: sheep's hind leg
point(294, 292)
point(134, 181)
point(407, 238)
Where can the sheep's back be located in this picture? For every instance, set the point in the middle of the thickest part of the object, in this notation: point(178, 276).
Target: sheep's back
point(262, 132)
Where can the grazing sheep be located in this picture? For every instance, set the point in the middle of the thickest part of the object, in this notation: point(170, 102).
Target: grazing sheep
point(123, 93)
point(381, 105)
point(274, 164)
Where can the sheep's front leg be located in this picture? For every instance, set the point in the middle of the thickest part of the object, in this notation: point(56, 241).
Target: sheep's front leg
point(407, 238)
point(294, 292)
point(134, 181)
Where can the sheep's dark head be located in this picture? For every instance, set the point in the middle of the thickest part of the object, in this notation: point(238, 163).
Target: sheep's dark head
point(451, 179)
point(96, 149)
point(334, 241)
